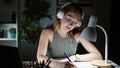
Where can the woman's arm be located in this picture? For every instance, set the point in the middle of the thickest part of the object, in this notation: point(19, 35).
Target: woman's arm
point(43, 44)
point(44, 41)
point(93, 51)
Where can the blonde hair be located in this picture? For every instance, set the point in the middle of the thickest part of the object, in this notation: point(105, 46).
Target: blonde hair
point(57, 24)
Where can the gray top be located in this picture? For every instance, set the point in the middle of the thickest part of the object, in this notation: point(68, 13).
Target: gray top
point(60, 45)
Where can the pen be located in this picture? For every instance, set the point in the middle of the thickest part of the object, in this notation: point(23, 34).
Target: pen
point(47, 64)
point(66, 55)
point(48, 61)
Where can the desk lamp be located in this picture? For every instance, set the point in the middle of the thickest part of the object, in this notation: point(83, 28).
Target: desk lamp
point(90, 34)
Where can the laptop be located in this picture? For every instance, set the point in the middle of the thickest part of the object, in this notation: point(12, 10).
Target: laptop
point(10, 57)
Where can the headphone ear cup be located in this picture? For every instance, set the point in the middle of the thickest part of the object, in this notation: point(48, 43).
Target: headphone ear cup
point(60, 14)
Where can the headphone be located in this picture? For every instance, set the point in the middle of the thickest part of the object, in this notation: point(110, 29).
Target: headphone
point(60, 13)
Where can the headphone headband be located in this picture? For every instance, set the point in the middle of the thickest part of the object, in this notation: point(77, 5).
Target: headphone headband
point(65, 5)
point(60, 13)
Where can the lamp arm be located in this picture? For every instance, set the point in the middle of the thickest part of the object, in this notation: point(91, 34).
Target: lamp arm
point(106, 42)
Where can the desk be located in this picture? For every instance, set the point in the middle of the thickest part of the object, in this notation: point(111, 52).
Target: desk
point(26, 64)
point(83, 64)
point(115, 65)
point(88, 65)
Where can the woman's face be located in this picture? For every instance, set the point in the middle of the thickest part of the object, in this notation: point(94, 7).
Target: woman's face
point(70, 21)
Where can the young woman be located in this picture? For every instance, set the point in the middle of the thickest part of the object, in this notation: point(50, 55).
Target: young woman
point(64, 36)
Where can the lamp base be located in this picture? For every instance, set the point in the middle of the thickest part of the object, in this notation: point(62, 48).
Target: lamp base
point(101, 64)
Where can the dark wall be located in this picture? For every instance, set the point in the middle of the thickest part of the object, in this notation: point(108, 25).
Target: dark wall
point(103, 11)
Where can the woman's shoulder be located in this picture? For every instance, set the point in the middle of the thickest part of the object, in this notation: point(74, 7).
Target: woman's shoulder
point(77, 36)
point(47, 31)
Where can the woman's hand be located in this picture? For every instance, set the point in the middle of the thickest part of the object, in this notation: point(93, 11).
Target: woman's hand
point(70, 65)
point(72, 58)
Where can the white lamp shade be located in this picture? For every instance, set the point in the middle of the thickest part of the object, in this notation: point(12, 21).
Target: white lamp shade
point(89, 33)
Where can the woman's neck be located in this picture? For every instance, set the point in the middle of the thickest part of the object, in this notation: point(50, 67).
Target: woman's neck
point(62, 33)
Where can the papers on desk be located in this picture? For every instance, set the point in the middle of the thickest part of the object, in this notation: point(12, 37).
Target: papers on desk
point(89, 65)
point(84, 65)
